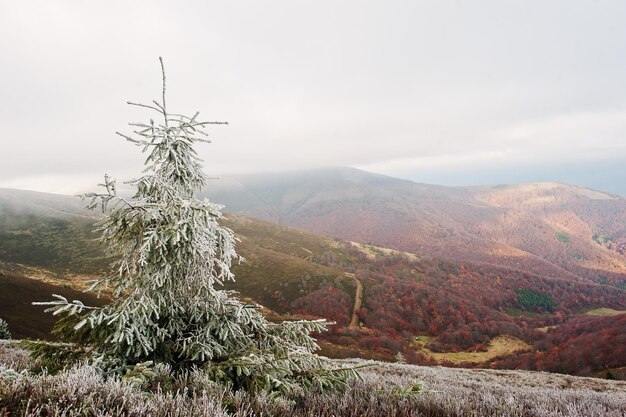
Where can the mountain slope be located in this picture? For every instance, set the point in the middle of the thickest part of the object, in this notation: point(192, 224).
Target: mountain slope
point(17, 293)
point(549, 229)
point(433, 310)
point(50, 238)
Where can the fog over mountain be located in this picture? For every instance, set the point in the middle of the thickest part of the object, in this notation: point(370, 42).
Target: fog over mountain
point(609, 175)
point(447, 92)
point(507, 225)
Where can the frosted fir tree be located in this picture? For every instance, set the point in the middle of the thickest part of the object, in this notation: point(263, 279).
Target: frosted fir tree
point(5, 334)
point(172, 255)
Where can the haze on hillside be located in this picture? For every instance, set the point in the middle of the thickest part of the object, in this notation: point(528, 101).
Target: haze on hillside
point(447, 92)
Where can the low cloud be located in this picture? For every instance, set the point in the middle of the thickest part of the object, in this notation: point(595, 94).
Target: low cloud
point(439, 88)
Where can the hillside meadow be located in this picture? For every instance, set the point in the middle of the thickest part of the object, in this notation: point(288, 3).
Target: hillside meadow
point(384, 389)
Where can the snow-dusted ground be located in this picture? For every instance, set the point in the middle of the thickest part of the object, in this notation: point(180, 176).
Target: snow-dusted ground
point(385, 390)
point(483, 392)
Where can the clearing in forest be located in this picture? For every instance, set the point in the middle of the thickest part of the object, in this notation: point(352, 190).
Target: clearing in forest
point(499, 346)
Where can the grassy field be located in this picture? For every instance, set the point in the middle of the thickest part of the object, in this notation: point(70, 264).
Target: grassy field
point(384, 390)
point(499, 346)
point(605, 312)
point(546, 329)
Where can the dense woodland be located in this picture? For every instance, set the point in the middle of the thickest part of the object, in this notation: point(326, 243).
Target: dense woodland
point(463, 306)
point(579, 346)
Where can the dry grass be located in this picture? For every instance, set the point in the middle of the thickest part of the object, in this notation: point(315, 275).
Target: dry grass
point(546, 329)
point(385, 390)
point(373, 252)
point(499, 346)
point(605, 312)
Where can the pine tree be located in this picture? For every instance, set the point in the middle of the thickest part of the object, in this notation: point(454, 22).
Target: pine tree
point(4, 330)
point(173, 253)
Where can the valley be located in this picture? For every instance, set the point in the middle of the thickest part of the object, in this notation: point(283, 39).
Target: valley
point(481, 293)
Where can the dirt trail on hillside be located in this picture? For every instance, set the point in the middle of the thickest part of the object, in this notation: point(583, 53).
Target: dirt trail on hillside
point(358, 300)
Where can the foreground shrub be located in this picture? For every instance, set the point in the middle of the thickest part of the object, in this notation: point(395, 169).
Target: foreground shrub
point(384, 390)
point(4, 330)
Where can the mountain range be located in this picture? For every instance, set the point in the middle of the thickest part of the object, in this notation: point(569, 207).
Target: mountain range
point(545, 228)
point(500, 276)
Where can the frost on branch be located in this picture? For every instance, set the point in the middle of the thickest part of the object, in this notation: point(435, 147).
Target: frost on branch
point(4, 330)
point(172, 254)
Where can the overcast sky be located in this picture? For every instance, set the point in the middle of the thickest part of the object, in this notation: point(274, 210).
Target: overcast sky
point(447, 92)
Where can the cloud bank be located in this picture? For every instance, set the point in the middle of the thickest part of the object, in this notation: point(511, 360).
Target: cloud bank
point(447, 92)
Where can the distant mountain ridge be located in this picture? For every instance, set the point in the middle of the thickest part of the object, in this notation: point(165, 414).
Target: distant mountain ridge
point(547, 228)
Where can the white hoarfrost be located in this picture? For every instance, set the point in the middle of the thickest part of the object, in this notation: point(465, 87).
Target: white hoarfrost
point(173, 253)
